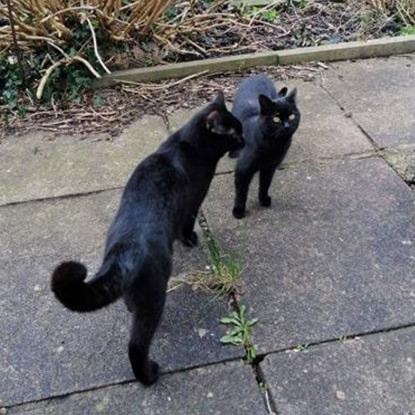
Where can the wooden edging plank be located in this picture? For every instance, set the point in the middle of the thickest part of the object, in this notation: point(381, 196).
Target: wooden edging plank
point(327, 53)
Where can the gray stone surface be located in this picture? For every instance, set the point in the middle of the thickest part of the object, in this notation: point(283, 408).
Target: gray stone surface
point(324, 131)
point(402, 160)
point(224, 389)
point(334, 255)
point(374, 375)
point(47, 350)
point(36, 166)
point(380, 95)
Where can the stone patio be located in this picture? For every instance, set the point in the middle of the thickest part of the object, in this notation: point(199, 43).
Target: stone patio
point(327, 269)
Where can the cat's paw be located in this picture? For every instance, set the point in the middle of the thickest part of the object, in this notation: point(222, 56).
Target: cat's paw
point(238, 212)
point(150, 375)
point(265, 201)
point(190, 240)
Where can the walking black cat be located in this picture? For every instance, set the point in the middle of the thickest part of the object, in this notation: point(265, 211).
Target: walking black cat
point(159, 205)
point(269, 120)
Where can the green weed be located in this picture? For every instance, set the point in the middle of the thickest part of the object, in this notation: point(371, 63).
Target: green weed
point(407, 31)
point(239, 332)
point(301, 347)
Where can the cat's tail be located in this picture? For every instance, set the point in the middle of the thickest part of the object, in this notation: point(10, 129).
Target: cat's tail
point(70, 288)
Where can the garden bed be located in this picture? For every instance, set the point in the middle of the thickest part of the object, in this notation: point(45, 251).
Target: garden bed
point(63, 49)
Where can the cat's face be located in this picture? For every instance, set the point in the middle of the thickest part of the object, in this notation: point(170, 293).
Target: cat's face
point(279, 116)
point(223, 126)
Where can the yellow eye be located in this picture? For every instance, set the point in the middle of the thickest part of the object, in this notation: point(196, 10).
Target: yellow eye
point(291, 117)
point(276, 118)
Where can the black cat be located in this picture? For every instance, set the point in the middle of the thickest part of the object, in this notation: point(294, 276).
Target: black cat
point(159, 205)
point(269, 121)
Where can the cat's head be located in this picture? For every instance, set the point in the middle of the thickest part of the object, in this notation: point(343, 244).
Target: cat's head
point(279, 116)
point(221, 126)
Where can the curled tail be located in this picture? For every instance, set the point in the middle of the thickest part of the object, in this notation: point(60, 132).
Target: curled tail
point(70, 288)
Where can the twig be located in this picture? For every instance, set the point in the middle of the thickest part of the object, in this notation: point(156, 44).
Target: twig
point(16, 46)
point(45, 78)
point(165, 86)
point(66, 10)
point(88, 65)
point(94, 40)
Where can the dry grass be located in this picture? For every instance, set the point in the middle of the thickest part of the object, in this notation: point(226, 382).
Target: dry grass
point(404, 9)
point(51, 21)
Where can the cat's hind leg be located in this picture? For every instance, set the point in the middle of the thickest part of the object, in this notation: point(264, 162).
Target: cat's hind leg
point(243, 178)
point(189, 236)
point(147, 299)
point(265, 179)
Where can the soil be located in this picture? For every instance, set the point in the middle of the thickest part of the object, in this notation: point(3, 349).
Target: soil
point(286, 25)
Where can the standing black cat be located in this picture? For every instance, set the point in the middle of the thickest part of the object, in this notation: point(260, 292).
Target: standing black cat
point(159, 204)
point(269, 121)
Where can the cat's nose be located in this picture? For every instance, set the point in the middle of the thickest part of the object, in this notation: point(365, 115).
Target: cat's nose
point(286, 124)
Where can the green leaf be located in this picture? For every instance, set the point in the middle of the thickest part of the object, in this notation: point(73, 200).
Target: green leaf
point(252, 322)
point(236, 331)
point(229, 320)
point(227, 339)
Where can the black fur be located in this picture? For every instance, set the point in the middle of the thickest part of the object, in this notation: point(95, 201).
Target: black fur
point(257, 105)
point(159, 205)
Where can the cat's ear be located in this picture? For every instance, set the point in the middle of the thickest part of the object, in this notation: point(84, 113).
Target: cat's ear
point(292, 96)
point(283, 92)
point(213, 121)
point(219, 99)
point(214, 124)
point(266, 105)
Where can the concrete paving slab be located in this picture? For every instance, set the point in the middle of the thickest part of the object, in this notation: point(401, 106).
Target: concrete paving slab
point(402, 160)
point(380, 94)
point(65, 226)
point(46, 349)
point(374, 375)
point(35, 166)
point(205, 390)
point(324, 131)
point(333, 256)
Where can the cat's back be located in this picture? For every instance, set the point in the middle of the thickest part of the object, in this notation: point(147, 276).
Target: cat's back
point(158, 174)
point(246, 102)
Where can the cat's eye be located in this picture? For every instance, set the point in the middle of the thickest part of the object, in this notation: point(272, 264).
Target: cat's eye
point(291, 117)
point(277, 118)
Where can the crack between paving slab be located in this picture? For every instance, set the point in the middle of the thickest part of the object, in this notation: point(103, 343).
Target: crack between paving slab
point(375, 153)
point(61, 197)
point(353, 336)
point(348, 114)
point(235, 306)
point(284, 166)
point(111, 384)
point(259, 375)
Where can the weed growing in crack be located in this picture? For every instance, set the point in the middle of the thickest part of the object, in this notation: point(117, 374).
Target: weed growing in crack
point(301, 347)
point(239, 332)
point(225, 269)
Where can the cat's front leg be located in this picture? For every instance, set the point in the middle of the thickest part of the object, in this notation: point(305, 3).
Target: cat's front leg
point(265, 179)
point(242, 181)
